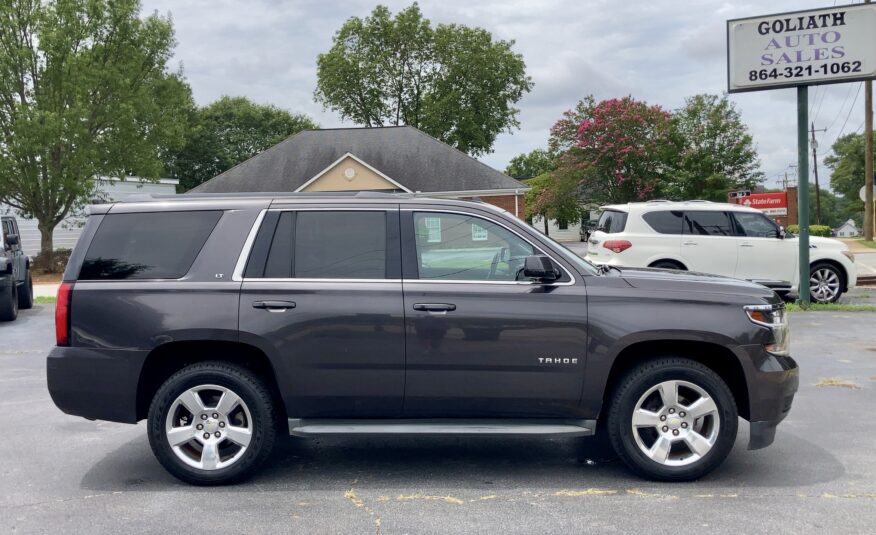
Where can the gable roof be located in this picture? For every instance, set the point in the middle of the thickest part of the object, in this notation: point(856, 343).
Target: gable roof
point(402, 153)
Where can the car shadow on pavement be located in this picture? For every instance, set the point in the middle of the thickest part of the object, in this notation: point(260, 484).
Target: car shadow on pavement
point(493, 463)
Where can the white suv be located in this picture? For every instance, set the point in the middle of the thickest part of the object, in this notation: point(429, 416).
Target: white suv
point(722, 239)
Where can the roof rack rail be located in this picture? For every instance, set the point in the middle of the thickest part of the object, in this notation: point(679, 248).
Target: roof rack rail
point(659, 200)
point(699, 200)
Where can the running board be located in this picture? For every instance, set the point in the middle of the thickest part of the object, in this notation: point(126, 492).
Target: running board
point(506, 427)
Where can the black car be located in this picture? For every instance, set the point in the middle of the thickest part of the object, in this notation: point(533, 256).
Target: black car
point(227, 321)
point(16, 285)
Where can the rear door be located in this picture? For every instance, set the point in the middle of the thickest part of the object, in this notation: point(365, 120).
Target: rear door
point(481, 341)
point(708, 242)
point(322, 295)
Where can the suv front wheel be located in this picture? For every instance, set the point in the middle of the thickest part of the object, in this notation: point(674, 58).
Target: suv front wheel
point(825, 283)
point(212, 423)
point(672, 419)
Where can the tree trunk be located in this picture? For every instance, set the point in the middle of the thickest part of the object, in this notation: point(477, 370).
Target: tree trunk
point(47, 246)
point(546, 233)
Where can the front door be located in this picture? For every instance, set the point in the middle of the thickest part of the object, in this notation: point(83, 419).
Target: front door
point(482, 342)
point(322, 296)
point(763, 254)
point(708, 242)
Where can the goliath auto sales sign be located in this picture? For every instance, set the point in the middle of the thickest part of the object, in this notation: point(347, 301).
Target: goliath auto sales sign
point(803, 48)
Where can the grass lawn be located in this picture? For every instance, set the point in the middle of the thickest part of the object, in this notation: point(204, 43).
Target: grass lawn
point(832, 307)
point(861, 241)
point(44, 300)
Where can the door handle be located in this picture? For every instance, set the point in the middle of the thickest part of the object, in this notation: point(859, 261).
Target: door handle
point(435, 307)
point(274, 306)
point(689, 243)
point(746, 245)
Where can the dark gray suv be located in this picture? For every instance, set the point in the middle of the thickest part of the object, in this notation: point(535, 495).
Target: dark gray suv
point(227, 321)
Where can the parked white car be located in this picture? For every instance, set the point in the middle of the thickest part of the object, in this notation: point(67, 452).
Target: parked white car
point(721, 239)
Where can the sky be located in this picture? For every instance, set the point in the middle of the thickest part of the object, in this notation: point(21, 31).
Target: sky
point(658, 51)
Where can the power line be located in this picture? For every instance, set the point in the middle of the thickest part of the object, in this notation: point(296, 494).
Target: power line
point(823, 93)
point(858, 92)
point(836, 118)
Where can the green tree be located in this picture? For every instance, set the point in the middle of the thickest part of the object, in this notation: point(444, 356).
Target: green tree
point(84, 92)
point(531, 164)
point(553, 195)
point(717, 154)
point(227, 132)
point(453, 82)
point(619, 150)
point(847, 170)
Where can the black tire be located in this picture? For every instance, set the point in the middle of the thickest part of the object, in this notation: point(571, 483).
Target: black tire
point(644, 377)
point(249, 387)
point(667, 264)
point(9, 304)
point(25, 293)
point(820, 266)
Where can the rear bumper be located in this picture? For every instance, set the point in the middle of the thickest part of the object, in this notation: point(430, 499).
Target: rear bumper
point(95, 384)
point(771, 389)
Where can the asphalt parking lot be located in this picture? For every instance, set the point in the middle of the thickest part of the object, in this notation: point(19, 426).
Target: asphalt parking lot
point(61, 474)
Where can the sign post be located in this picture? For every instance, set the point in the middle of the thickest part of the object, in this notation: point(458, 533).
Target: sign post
point(799, 49)
point(803, 190)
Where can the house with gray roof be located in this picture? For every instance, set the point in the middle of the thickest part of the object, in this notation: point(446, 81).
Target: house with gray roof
point(388, 159)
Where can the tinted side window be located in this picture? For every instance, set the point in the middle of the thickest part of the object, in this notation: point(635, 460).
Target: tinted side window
point(707, 223)
point(321, 245)
point(153, 245)
point(340, 245)
point(612, 222)
point(755, 225)
point(664, 222)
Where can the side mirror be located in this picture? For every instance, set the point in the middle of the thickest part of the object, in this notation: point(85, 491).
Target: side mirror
point(12, 239)
point(541, 268)
point(781, 233)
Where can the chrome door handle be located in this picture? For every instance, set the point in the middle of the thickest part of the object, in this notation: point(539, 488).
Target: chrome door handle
point(746, 245)
point(274, 306)
point(690, 243)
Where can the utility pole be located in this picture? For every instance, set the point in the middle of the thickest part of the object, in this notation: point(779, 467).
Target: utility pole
point(815, 170)
point(803, 191)
point(868, 158)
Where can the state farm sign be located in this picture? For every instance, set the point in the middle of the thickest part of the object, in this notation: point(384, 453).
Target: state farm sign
point(769, 203)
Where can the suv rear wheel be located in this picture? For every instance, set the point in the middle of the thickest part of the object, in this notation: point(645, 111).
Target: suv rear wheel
point(672, 419)
point(212, 423)
point(9, 303)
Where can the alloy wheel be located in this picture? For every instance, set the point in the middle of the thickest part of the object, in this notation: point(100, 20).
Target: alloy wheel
point(675, 423)
point(824, 285)
point(209, 427)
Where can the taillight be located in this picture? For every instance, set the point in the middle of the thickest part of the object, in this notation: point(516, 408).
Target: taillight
point(617, 246)
point(62, 314)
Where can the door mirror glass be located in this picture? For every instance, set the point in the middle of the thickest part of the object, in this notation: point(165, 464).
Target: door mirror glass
point(541, 268)
point(11, 239)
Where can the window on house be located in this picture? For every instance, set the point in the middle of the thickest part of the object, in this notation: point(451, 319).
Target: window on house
point(479, 233)
point(433, 229)
point(562, 224)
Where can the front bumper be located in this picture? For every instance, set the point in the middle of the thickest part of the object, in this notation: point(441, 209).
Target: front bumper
point(95, 384)
point(771, 388)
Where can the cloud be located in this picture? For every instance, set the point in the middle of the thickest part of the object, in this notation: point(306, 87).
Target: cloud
point(659, 52)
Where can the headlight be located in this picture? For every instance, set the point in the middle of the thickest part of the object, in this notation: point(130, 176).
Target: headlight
point(848, 254)
point(775, 318)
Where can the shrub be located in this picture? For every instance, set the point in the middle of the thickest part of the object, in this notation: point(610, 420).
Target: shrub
point(41, 262)
point(814, 230)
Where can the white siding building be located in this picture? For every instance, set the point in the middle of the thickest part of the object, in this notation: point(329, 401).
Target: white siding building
point(67, 232)
point(847, 230)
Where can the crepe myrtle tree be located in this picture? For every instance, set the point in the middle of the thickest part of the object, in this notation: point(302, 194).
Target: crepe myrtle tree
point(84, 92)
point(619, 150)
